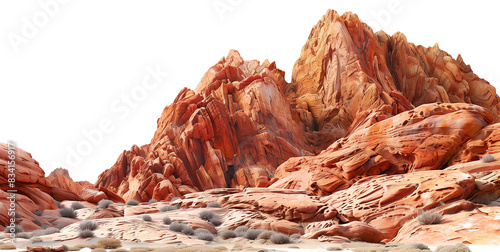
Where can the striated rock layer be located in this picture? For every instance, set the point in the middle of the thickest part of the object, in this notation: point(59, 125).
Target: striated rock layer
point(342, 71)
point(479, 227)
point(60, 178)
point(387, 202)
point(233, 131)
point(345, 69)
point(33, 190)
point(423, 138)
point(480, 157)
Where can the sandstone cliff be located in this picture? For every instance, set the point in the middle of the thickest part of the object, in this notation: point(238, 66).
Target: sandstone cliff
point(243, 120)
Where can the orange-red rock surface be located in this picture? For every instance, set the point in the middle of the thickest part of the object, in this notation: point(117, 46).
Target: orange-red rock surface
point(342, 71)
point(371, 130)
point(425, 75)
point(423, 138)
point(33, 190)
point(486, 141)
point(471, 158)
point(244, 120)
point(353, 231)
point(94, 195)
point(387, 202)
point(478, 226)
point(60, 178)
point(291, 205)
point(233, 131)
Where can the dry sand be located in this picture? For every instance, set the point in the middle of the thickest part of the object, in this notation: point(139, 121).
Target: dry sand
point(243, 245)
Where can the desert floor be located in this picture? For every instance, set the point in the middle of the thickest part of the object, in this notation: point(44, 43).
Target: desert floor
point(240, 244)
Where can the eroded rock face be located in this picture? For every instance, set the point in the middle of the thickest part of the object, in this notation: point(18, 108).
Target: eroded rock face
point(60, 178)
point(423, 138)
point(232, 132)
point(487, 189)
point(486, 141)
point(94, 195)
point(369, 119)
point(387, 202)
point(353, 231)
point(243, 120)
point(291, 205)
point(480, 156)
point(426, 75)
point(479, 227)
point(34, 191)
point(342, 71)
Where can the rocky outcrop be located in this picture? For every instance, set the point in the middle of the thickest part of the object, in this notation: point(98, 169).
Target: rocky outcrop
point(486, 141)
point(478, 227)
point(487, 189)
point(60, 178)
point(371, 130)
point(353, 231)
point(342, 71)
point(32, 190)
point(94, 195)
point(291, 205)
point(387, 202)
point(244, 120)
point(426, 75)
point(480, 156)
point(345, 69)
point(423, 138)
point(232, 132)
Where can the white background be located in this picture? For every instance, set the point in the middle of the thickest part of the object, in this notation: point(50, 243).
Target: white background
point(84, 56)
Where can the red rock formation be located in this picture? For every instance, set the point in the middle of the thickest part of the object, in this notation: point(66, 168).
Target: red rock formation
point(420, 139)
point(345, 69)
point(486, 141)
point(368, 119)
point(112, 211)
point(426, 75)
point(60, 178)
point(487, 187)
point(34, 191)
point(291, 205)
point(472, 158)
point(243, 120)
point(342, 71)
point(387, 202)
point(353, 231)
point(94, 195)
point(478, 227)
point(232, 132)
